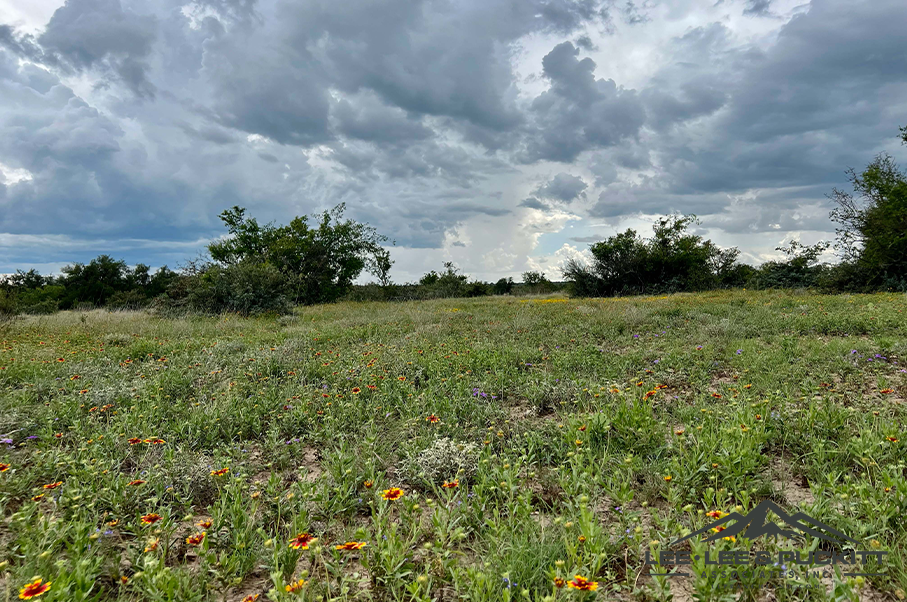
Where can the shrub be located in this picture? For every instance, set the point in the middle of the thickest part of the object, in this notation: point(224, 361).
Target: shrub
point(504, 286)
point(444, 460)
point(8, 306)
point(248, 287)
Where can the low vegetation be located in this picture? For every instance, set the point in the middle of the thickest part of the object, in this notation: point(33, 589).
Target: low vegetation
point(481, 449)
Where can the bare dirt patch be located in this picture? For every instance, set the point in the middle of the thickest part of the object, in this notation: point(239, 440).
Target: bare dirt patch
point(794, 489)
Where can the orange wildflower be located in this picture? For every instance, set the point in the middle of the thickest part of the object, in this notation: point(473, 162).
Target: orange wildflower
point(136, 482)
point(150, 519)
point(352, 545)
point(34, 589)
point(197, 539)
point(4, 467)
point(302, 541)
point(581, 583)
point(295, 586)
point(53, 485)
point(394, 493)
point(451, 484)
point(220, 473)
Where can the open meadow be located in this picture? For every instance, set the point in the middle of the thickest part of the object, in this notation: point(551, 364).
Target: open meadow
point(489, 449)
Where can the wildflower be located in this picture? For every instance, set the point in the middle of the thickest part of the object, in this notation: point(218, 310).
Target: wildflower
point(581, 583)
point(34, 589)
point(401, 378)
point(295, 586)
point(135, 482)
point(679, 432)
point(582, 428)
point(451, 484)
point(220, 473)
point(37, 498)
point(204, 524)
point(739, 351)
point(351, 545)
point(4, 467)
point(151, 518)
point(152, 544)
point(367, 484)
point(715, 514)
point(667, 478)
point(53, 485)
point(432, 419)
point(197, 539)
point(251, 598)
point(698, 347)
point(134, 441)
point(559, 583)
point(155, 441)
point(581, 539)
point(716, 395)
point(394, 493)
point(892, 439)
point(886, 391)
point(302, 541)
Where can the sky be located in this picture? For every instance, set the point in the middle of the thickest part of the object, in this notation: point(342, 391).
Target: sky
point(501, 135)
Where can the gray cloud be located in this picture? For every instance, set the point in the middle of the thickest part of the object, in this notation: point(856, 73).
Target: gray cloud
point(84, 34)
point(578, 112)
point(757, 7)
point(563, 187)
point(533, 203)
point(122, 120)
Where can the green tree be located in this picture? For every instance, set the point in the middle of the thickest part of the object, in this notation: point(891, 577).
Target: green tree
point(320, 260)
point(93, 283)
point(673, 259)
point(872, 231)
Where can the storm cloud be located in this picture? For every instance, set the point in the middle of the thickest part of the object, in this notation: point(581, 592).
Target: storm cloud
point(493, 134)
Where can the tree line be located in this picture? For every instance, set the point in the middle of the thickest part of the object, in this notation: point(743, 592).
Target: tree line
point(269, 268)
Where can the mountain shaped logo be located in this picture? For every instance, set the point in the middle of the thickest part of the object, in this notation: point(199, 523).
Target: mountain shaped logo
point(755, 524)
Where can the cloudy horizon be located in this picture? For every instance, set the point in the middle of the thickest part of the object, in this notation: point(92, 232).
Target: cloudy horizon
point(503, 136)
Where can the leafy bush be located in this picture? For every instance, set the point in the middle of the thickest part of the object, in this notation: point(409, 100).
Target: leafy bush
point(444, 460)
point(800, 269)
point(8, 307)
point(248, 287)
point(318, 264)
point(504, 286)
point(671, 261)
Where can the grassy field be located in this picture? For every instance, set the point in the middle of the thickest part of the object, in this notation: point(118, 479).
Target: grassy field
point(530, 441)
